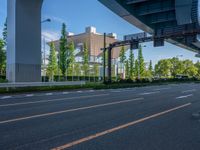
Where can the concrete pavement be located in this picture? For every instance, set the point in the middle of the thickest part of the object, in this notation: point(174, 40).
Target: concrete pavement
point(146, 118)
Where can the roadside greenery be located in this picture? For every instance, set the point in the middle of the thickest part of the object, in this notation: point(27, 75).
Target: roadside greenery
point(52, 67)
point(63, 51)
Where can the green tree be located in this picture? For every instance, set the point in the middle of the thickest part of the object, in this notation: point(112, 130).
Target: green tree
point(189, 68)
point(131, 64)
point(63, 51)
point(77, 69)
point(52, 67)
point(136, 68)
point(150, 70)
point(127, 69)
point(85, 59)
point(5, 32)
point(2, 58)
point(96, 70)
point(197, 65)
point(177, 66)
point(122, 55)
point(163, 68)
point(141, 62)
point(70, 58)
point(150, 67)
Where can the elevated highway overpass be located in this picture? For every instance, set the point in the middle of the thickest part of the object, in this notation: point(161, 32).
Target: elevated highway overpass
point(176, 21)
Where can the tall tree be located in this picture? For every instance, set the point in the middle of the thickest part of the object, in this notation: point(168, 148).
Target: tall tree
point(122, 57)
point(141, 62)
point(150, 67)
point(5, 32)
point(52, 65)
point(131, 65)
point(70, 58)
point(96, 70)
point(127, 69)
point(77, 69)
point(63, 51)
point(2, 58)
point(136, 68)
point(85, 59)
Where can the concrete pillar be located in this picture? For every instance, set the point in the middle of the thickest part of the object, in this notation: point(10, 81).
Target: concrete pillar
point(24, 40)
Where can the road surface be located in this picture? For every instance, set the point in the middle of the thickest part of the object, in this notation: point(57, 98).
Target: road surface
point(146, 118)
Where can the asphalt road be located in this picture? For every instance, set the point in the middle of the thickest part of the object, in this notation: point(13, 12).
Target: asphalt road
point(146, 118)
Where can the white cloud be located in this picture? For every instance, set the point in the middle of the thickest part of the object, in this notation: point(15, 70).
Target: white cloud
point(50, 35)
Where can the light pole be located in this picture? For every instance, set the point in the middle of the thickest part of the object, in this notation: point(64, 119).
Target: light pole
point(44, 48)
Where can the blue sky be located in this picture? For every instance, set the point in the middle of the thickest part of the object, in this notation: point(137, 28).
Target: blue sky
point(78, 14)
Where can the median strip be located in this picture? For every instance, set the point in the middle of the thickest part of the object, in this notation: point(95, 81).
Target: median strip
point(52, 100)
point(100, 134)
point(69, 110)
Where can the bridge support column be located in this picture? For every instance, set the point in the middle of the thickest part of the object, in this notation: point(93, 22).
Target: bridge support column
point(24, 41)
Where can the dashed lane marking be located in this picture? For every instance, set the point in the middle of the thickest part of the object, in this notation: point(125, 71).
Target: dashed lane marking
point(6, 97)
point(184, 96)
point(188, 91)
point(149, 93)
point(70, 110)
point(52, 100)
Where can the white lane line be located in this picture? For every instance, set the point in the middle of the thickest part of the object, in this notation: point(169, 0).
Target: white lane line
point(49, 94)
point(52, 100)
point(188, 91)
point(6, 97)
point(65, 93)
point(115, 91)
point(184, 96)
point(29, 95)
point(79, 91)
point(149, 93)
point(70, 110)
point(91, 90)
point(124, 126)
point(159, 89)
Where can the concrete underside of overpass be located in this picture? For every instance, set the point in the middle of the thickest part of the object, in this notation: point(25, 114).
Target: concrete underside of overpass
point(157, 17)
point(161, 17)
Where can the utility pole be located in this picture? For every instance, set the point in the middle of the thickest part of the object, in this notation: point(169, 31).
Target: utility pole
point(109, 64)
point(104, 59)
